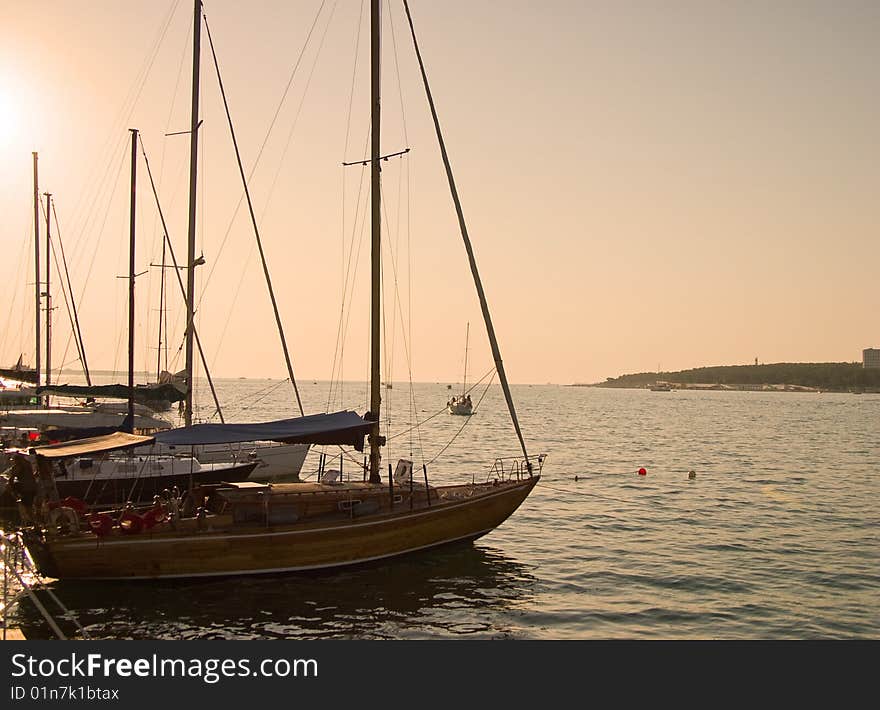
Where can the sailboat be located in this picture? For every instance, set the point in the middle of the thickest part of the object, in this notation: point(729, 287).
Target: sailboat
point(250, 528)
point(462, 405)
point(20, 373)
point(24, 408)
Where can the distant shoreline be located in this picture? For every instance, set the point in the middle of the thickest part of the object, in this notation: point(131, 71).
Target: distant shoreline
point(776, 377)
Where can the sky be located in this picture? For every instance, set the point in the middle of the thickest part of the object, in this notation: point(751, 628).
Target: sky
point(648, 186)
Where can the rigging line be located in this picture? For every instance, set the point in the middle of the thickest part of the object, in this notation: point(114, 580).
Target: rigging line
point(198, 340)
point(23, 249)
point(399, 192)
point(299, 109)
point(250, 404)
point(340, 344)
point(103, 186)
point(351, 273)
point(163, 310)
point(69, 316)
point(162, 313)
point(466, 422)
point(162, 163)
point(439, 412)
point(409, 277)
point(406, 341)
point(241, 277)
point(397, 72)
point(132, 100)
point(174, 95)
point(44, 209)
point(81, 348)
point(254, 222)
point(265, 139)
point(122, 161)
point(351, 266)
point(278, 171)
point(339, 350)
point(484, 306)
point(391, 254)
point(354, 275)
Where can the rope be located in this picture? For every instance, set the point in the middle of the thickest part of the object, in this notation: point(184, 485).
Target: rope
point(122, 118)
point(350, 274)
point(254, 223)
point(198, 340)
point(262, 146)
point(81, 347)
point(68, 302)
point(442, 411)
point(466, 422)
point(484, 306)
point(340, 342)
point(265, 393)
point(277, 174)
point(7, 329)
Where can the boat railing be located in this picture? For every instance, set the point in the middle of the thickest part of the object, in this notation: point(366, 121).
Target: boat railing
point(21, 579)
point(515, 468)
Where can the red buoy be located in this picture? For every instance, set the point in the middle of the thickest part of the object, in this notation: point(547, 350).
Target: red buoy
point(643, 472)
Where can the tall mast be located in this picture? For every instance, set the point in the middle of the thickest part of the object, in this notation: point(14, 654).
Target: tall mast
point(130, 418)
point(38, 345)
point(80, 345)
point(376, 244)
point(48, 294)
point(191, 235)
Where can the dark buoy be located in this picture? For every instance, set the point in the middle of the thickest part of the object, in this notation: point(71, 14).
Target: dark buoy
point(692, 474)
point(575, 478)
point(643, 472)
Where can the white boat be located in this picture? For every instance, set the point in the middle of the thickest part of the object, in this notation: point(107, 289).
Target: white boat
point(82, 418)
point(274, 461)
point(115, 479)
point(461, 404)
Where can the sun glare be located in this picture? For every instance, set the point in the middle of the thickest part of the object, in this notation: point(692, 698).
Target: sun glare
point(10, 112)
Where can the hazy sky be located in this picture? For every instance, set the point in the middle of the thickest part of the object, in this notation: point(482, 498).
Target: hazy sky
point(647, 184)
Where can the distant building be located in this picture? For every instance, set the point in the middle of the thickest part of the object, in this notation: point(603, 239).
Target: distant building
point(871, 357)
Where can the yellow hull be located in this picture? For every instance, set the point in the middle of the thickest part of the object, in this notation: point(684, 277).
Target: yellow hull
point(227, 549)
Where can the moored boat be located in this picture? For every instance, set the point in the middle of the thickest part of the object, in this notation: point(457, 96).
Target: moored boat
point(249, 528)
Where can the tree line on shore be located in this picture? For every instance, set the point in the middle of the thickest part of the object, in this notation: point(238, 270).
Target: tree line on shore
point(832, 376)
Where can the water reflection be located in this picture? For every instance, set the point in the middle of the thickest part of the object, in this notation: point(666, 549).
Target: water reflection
point(460, 590)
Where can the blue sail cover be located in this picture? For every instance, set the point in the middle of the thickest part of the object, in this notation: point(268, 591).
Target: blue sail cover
point(344, 428)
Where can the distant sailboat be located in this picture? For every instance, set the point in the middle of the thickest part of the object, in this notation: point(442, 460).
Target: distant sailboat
point(462, 405)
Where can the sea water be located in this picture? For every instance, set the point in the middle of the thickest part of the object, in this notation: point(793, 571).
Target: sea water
point(776, 536)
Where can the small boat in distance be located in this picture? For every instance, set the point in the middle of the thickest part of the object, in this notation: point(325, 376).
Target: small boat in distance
point(462, 405)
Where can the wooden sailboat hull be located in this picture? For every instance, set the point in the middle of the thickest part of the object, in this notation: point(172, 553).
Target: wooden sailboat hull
point(226, 549)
